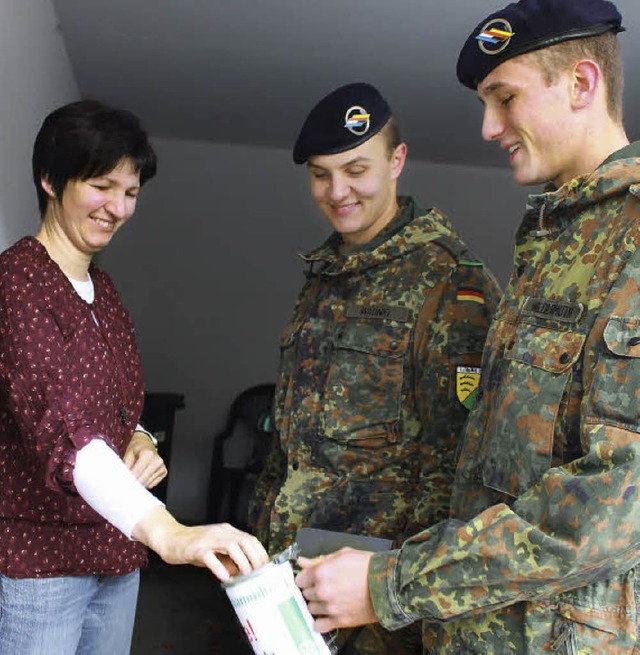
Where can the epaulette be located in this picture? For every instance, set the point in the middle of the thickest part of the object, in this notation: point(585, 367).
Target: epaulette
point(452, 246)
point(458, 250)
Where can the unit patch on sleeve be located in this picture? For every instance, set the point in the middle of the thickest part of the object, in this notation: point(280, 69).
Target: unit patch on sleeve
point(467, 382)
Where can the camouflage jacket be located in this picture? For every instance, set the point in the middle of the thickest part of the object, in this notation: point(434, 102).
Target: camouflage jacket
point(541, 551)
point(366, 408)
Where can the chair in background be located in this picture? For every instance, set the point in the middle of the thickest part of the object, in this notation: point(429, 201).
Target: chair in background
point(158, 417)
point(239, 454)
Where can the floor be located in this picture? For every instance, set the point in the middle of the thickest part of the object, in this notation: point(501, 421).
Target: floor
point(182, 610)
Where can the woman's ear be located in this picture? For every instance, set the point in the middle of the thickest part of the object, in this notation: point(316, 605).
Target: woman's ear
point(48, 189)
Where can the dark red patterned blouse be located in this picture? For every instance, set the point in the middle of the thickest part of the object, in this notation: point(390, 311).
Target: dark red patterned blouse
point(63, 380)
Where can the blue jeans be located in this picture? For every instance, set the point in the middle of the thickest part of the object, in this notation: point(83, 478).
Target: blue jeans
point(85, 615)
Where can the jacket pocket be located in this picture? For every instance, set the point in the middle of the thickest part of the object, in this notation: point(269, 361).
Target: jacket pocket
point(363, 390)
point(584, 622)
point(537, 366)
point(613, 393)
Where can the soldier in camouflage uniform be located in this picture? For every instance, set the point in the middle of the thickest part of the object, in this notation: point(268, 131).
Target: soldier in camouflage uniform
point(542, 550)
point(381, 357)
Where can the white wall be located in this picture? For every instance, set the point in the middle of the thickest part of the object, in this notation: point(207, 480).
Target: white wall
point(35, 77)
point(207, 267)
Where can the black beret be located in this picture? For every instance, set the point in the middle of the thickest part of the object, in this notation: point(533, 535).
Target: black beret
point(530, 25)
point(342, 120)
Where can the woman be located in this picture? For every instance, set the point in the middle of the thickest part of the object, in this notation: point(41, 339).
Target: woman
point(75, 515)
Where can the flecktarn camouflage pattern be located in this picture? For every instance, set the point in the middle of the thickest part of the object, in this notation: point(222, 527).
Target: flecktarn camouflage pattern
point(366, 408)
point(542, 549)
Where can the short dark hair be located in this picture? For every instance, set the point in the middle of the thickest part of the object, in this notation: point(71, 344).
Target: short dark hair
point(87, 139)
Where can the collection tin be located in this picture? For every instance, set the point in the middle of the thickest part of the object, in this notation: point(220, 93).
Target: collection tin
point(273, 612)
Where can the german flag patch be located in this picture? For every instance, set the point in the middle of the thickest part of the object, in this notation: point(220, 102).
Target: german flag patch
point(470, 295)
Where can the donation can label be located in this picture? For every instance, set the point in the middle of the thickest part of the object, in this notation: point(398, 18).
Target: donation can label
point(273, 612)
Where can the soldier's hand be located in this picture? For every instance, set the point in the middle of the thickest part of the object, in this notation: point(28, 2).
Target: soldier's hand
point(337, 590)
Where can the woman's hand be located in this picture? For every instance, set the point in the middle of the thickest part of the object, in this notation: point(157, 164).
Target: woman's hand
point(223, 549)
point(144, 462)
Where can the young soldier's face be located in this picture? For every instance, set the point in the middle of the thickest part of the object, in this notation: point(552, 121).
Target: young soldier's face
point(356, 189)
point(532, 122)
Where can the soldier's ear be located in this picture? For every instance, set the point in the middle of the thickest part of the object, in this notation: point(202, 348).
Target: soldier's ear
point(398, 159)
point(586, 81)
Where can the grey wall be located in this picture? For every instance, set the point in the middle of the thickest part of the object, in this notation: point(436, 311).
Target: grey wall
point(35, 77)
point(484, 204)
point(207, 267)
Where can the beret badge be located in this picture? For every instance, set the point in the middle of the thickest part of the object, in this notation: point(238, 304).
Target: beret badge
point(495, 36)
point(341, 121)
point(357, 120)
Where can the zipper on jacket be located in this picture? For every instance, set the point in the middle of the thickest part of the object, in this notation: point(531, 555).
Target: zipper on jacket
point(566, 638)
point(542, 231)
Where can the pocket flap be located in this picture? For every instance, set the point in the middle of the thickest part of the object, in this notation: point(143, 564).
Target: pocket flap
point(622, 336)
point(606, 620)
point(550, 350)
point(392, 342)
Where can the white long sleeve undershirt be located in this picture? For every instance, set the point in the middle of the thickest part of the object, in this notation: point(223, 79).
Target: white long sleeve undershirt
point(109, 487)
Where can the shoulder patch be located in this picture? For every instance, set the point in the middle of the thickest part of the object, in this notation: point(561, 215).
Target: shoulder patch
point(467, 383)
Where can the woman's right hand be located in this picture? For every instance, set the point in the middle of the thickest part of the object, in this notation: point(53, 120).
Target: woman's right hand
point(220, 547)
